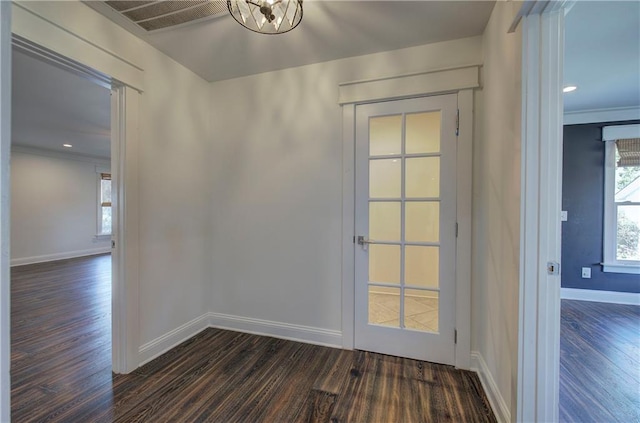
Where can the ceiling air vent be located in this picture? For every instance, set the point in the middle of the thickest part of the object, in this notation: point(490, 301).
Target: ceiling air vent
point(154, 15)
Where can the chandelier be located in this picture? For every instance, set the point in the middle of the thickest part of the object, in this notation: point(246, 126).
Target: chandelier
point(266, 16)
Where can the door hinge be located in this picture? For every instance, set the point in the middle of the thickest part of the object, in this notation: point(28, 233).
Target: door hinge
point(455, 336)
point(354, 239)
point(456, 229)
point(458, 122)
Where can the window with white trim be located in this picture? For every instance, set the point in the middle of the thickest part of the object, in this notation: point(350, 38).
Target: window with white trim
point(622, 200)
point(104, 204)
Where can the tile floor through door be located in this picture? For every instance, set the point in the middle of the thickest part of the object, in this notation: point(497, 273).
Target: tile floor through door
point(420, 313)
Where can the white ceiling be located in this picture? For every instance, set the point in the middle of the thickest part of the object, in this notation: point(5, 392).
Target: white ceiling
point(52, 106)
point(220, 48)
point(602, 55)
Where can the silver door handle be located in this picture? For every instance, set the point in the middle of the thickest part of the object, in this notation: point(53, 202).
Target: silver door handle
point(364, 242)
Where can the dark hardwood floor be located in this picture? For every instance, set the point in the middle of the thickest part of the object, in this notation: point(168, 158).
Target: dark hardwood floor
point(599, 362)
point(61, 358)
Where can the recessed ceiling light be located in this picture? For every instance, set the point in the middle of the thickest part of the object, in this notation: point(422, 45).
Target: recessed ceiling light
point(67, 145)
point(569, 88)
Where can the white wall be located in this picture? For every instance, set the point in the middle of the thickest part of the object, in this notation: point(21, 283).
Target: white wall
point(53, 207)
point(276, 172)
point(496, 206)
point(173, 167)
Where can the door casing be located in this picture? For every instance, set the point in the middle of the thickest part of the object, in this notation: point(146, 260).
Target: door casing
point(461, 81)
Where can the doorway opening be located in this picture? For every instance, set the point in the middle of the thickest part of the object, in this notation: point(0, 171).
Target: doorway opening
point(61, 221)
point(600, 295)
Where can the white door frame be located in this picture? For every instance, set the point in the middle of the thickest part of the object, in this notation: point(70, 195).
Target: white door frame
point(5, 189)
point(462, 81)
point(541, 201)
point(125, 294)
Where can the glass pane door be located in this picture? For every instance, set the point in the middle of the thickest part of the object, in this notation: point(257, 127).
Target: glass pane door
point(404, 220)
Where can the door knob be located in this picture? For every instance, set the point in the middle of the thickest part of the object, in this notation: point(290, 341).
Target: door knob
point(363, 241)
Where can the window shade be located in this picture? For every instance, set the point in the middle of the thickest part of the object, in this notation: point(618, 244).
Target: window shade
point(629, 152)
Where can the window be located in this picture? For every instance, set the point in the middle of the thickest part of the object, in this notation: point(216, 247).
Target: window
point(622, 204)
point(104, 204)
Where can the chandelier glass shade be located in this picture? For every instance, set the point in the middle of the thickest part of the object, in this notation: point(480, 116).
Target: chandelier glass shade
point(266, 16)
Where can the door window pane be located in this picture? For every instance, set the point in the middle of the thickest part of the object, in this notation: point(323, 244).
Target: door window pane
point(384, 306)
point(384, 221)
point(423, 133)
point(422, 221)
point(422, 177)
point(421, 266)
point(385, 135)
point(421, 310)
point(384, 178)
point(384, 263)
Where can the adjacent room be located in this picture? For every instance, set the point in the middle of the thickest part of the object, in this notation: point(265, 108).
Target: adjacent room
point(61, 231)
point(600, 329)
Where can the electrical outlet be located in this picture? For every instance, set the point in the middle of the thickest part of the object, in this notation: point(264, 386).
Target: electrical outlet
point(563, 216)
point(586, 273)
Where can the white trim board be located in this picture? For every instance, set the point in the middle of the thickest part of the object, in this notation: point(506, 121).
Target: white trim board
point(59, 256)
point(306, 334)
point(406, 86)
point(497, 402)
point(172, 339)
point(612, 297)
point(310, 335)
point(602, 115)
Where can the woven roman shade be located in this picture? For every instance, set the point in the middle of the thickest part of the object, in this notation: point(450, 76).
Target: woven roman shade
point(629, 152)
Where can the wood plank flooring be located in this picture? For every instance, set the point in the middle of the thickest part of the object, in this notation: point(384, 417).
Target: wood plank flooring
point(599, 362)
point(61, 358)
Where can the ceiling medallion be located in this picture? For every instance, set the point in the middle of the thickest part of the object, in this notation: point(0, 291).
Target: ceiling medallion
point(266, 16)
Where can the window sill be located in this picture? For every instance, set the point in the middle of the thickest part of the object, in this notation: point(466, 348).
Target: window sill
point(632, 269)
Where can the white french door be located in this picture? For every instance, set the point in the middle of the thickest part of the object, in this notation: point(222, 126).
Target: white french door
point(406, 228)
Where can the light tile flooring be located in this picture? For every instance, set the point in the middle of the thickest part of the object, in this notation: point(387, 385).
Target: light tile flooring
point(420, 313)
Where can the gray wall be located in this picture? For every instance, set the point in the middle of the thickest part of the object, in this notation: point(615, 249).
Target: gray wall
point(583, 199)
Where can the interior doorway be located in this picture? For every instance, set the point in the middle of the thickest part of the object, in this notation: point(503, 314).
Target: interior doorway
point(61, 224)
point(123, 106)
point(600, 295)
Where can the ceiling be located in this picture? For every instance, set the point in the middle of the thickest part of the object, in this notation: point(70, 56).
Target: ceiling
point(52, 106)
point(602, 55)
point(220, 48)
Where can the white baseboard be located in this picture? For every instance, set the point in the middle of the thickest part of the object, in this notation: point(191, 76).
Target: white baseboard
point(310, 335)
point(59, 256)
point(496, 400)
point(169, 340)
point(612, 297)
point(172, 339)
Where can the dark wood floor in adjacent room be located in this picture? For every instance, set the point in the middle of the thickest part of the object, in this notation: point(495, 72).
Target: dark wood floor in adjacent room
point(599, 362)
point(61, 358)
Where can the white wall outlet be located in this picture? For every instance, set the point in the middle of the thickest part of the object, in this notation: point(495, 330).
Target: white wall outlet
point(563, 216)
point(586, 272)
